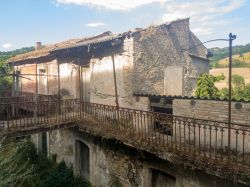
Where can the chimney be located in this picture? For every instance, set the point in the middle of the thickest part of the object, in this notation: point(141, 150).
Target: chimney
point(38, 45)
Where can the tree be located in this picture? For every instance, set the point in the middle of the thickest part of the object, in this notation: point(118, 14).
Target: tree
point(5, 81)
point(206, 86)
point(246, 93)
point(239, 90)
point(238, 81)
point(224, 93)
point(238, 86)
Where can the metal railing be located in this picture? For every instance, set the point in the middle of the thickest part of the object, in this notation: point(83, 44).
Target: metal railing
point(163, 133)
point(200, 141)
point(24, 114)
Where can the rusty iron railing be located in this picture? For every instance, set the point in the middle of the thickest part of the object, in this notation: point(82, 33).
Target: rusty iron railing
point(18, 115)
point(162, 133)
point(201, 141)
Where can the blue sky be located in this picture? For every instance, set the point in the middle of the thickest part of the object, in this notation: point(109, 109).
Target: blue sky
point(23, 22)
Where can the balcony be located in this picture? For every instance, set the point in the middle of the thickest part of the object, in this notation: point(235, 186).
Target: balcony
point(202, 144)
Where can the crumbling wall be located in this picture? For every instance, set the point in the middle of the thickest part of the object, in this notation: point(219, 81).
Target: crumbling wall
point(102, 86)
point(69, 80)
point(51, 78)
point(115, 164)
point(49, 81)
point(28, 82)
point(197, 66)
point(107, 167)
point(158, 47)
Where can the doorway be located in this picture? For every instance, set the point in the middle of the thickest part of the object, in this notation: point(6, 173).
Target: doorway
point(161, 179)
point(82, 160)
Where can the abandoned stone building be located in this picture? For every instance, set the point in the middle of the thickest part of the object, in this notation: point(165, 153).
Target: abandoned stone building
point(118, 108)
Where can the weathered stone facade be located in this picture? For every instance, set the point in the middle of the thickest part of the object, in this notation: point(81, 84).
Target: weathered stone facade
point(102, 88)
point(112, 164)
point(146, 61)
point(158, 48)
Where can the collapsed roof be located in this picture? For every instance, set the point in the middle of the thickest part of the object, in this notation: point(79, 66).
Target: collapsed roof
point(87, 41)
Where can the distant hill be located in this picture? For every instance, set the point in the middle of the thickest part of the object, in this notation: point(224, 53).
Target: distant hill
point(4, 55)
point(239, 61)
point(240, 58)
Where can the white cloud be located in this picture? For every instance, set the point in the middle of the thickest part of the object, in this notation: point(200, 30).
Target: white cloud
point(7, 45)
point(206, 16)
point(111, 4)
point(203, 31)
point(95, 24)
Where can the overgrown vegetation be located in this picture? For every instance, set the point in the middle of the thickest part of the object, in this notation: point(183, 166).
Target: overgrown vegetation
point(115, 182)
point(5, 69)
point(21, 166)
point(5, 81)
point(206, 87)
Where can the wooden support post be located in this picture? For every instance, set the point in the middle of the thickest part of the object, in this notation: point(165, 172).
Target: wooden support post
point(116, 94)
point(80, 89)
point(36, 92)
point(13, 80)
point(59, 87)
point(13, 90)
point(17, 82)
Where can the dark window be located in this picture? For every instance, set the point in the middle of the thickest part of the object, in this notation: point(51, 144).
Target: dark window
point(44, 143)
point(161, 179)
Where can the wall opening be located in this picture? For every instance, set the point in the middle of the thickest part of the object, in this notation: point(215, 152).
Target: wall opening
point(161, 179)
point(173, 80)
point(42, 81)
point(82, 160)
point(164, 106)
point(44, 143)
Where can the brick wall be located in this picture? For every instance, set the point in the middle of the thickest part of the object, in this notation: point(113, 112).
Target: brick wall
point(212, 110)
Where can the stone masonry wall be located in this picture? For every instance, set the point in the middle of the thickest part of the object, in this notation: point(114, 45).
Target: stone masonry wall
point(113, 164)
point(159, 47)
point(107, 167)
point(212, 110)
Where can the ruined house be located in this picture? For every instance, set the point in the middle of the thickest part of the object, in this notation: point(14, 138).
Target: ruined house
point(147, 60)
point(111, 135)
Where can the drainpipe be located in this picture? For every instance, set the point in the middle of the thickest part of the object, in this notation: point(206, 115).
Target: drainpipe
point(80, 88)
point(36, 92)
